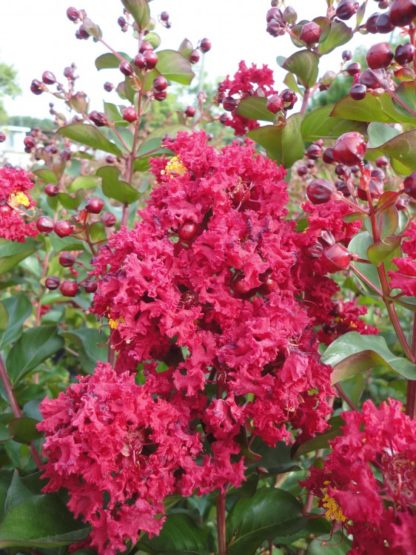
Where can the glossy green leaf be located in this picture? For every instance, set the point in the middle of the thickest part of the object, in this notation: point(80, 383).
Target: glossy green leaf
point(290, 81)
point(383, 250)
point(115, 188)
point(406, 92)
point(18, 308)
point(305, 65)
point(17, 492)
point(109, 60)
point(338, 35)
point(175, 67)
point(269, 513)
point(39, 521)
point(180, 535)
point(4, 317)
point(140, 11)
point(354, 353)
point(283, 144)
point(319, 124)
point(330, 544)
point(379, 133)
point(89, 135)
point(185, 48)
point(254, 107)
point(11, 253)
point(91, 346)
point(84, 182)
point(35, 346)
point(69, 201)
point(321, 441)
point(369, 109)
point(23, 430)
point(359, 245)
point(275, 460)
point(401, 151)
point(46, 175)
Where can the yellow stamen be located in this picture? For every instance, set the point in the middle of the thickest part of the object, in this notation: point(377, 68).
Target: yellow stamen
point(113, 323)
point(18, 199)
point(332, 510)
point(175, 166)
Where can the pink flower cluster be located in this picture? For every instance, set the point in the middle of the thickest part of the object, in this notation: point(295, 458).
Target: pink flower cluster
point(208, 301)
point(247, 81)
point(368, 481)
point(119, 452)
point(404, 277)
point(14, 202)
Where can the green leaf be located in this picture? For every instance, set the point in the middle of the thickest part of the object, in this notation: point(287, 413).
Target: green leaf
point(92, 346)
point(254, 107)
point(283, 144)
point(185, 48)
point(321, 441)
point(370, 109)
point(11, 253)
point(19, 308)
point(69, 201)
point(115, 188)
point(35, 345)
point(23, 430)
point(4, 317)
point(109, 60)
point(401, 151)
point(17, 492)
point(407, 93)
point(46, 175)
point(330, 544)
point(379, 133)
point(269, 513)
point(140, 11)
point(84, 182)
point(354, 353)
point(175, 67)
point(359, 245)
point(305, 65)
point(338, 35)
point(179, 536)
point(275, 460)
point(39, 521)
point(319, 124)
point(89, 135)
point(383, 250)
point(290, 81)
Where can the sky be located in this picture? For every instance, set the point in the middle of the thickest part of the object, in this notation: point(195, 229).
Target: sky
point(37, 36)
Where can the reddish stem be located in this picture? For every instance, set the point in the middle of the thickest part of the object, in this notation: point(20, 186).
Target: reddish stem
point(382, 274)
point(14, 405)
point(305, 101)
point(411, 384)
point(221, 529)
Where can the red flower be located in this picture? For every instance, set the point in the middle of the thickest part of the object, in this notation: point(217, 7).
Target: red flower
point(119, 452)
point(14, 203)
point(368, 482)
point(404, 277)
point(247, 81)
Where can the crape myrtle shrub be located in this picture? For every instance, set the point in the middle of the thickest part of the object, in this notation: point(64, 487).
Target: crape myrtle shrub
point(208, 348)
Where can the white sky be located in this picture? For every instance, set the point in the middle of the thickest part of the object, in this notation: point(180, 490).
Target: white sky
point(35, 35)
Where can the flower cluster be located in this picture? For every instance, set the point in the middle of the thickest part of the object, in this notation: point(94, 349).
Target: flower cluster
point(119, 452)
point(404, 277)
point(247, 81)
point(205, 284)
point(368, 480)
point(14, 203)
